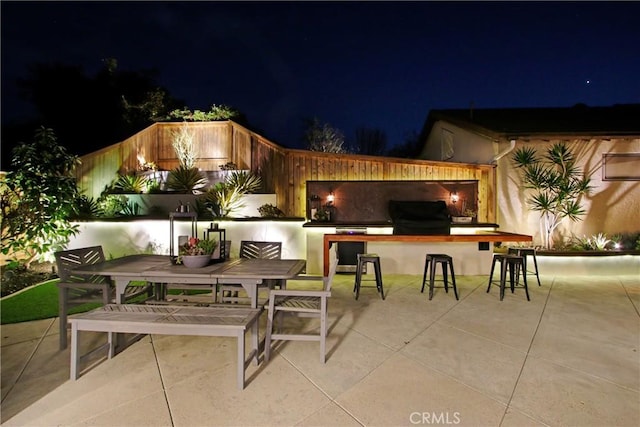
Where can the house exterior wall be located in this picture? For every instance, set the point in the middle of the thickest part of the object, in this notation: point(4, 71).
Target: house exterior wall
point(612, 206)
point(465, 146)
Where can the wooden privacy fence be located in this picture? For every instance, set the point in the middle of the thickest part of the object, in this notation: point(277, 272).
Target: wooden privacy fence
point(283, 171)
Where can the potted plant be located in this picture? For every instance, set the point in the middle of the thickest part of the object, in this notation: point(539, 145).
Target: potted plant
point(196, 253)
point(466, 214)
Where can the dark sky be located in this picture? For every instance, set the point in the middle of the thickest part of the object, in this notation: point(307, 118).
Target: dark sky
point(352, 64)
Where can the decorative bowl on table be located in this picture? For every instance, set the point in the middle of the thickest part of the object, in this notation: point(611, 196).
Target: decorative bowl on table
point(196, 261)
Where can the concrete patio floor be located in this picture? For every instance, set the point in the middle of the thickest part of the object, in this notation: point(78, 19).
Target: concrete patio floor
point(569, 357)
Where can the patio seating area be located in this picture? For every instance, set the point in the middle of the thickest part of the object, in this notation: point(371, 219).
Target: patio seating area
point(570, 356)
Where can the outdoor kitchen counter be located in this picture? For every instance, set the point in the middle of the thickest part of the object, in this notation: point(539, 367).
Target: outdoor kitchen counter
point(390, 225)
point(479, 237)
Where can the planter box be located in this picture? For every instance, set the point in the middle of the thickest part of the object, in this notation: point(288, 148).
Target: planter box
point(592, 263)
point(158, 205)
point(161, 204)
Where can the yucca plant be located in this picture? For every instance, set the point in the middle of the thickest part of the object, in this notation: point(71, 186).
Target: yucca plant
point(222, 199)
point(556, 186)
point(226, 197)
point(131, 209)
point(186, 180)
point(132, 184)
point(245, 182)
point(86, 208)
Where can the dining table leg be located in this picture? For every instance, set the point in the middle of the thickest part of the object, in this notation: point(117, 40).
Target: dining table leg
point(251, 287)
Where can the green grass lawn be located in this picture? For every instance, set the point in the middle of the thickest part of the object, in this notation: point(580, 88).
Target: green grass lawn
point(41, 302)
point(37, 302)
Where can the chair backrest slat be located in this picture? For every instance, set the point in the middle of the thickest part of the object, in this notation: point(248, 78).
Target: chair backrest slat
point(262, 250)
point(74, 258)
point(333, 266)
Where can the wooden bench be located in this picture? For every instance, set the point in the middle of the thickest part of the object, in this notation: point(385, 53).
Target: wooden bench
point(167, 320)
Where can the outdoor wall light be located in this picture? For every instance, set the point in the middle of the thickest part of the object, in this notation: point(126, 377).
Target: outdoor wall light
point(454, 197)
point(330, 198)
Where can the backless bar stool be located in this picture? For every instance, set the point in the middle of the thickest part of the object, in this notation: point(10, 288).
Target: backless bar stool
point(524, 253)
point(512, 263)
point(431, 260)
point(362, 260)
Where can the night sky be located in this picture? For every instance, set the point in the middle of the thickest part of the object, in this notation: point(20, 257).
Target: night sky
point(381, 65)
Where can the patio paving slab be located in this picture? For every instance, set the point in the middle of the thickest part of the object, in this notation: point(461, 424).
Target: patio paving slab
point(568, 357)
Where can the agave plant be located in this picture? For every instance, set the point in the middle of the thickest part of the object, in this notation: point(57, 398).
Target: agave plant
point(599, 241)
point(186, 180)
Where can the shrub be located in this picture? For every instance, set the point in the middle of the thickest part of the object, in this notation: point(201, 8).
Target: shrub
point(184, 147)
point(38, 197)
point(112, 205)
point(216, 112)
point(269, 211)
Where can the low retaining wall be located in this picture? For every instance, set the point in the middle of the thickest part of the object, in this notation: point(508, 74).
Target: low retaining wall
point(590, 263)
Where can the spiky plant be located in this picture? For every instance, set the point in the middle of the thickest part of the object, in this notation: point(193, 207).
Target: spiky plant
point(222, 199)
point(186, 180)
point(132, 184)
point(556, 186)
point(86, 208)
point(245, 182)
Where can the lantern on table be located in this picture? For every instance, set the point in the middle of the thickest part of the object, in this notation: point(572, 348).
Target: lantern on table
point(181, 239)
point(220, 234)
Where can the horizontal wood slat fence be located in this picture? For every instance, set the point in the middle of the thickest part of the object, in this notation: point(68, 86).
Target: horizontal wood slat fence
point(283, 171)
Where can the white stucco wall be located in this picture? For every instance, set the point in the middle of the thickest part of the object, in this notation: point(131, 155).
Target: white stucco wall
point(152, 236)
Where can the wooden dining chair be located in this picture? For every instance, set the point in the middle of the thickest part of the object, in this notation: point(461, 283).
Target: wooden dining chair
point(229, 292)
point(75, 289)
point(303, 303)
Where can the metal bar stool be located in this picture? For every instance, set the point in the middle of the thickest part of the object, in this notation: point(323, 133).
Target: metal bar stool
point(524, 253)
point(431, 260)
point(362, 260)
point(513, 263)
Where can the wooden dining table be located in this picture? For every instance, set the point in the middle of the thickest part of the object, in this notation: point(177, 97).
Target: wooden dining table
point(249, 273)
